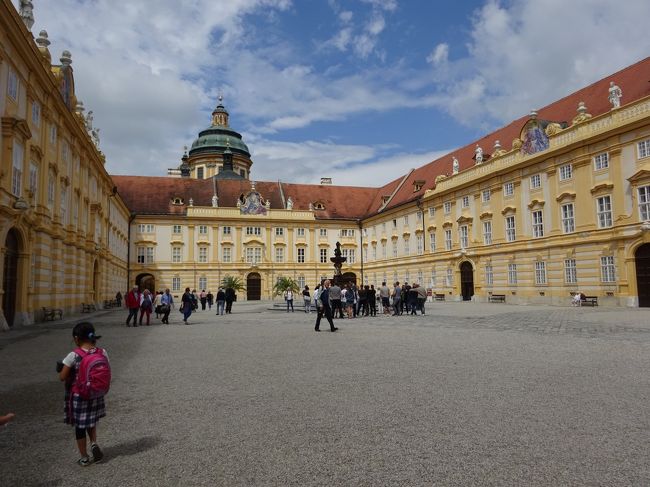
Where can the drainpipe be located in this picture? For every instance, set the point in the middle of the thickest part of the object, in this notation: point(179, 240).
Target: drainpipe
point(128, 254)
point(424, 230)
point(361, 257)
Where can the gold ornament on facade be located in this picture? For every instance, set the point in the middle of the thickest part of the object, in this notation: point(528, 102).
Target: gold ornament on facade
point(552, 129)
point(582, 115)
point(517, 143)
point(440, 177)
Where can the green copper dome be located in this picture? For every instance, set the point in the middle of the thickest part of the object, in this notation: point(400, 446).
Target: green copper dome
point(219, 136)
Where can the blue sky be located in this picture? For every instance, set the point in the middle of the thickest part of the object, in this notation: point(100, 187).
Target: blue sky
point(357, 90)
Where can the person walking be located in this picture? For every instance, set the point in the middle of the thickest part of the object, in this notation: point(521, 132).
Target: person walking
point(204, 299)
point(230, 297)
point(166, 303)
point(221, 300)
point(146, 306)
point(307, 299)
point(288, 297)
point(334, 293)
point(349, 301)
point(412, 297)
point(324, 307)
point(422, 297)
point(397, 293)
point(133, 304)
point(384, 294)
point(210, 298)
point(187, 304)
point(118, 299)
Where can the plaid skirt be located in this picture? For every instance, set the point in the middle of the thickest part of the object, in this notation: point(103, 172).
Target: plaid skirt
point(83, 413)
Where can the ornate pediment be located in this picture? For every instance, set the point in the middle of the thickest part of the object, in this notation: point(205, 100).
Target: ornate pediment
point(567, 195)
point(602, 187)
point(641, 175)
point(252, 203)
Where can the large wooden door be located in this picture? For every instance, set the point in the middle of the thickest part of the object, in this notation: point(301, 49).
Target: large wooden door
point(10, 279)
point(253, 287)
point(466, 280)
point(642, 258)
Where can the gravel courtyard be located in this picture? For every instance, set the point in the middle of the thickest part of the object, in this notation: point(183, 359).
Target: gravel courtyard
point(470, 394)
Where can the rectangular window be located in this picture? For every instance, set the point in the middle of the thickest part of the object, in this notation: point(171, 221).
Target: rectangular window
point(33, 178)
point(17, 169)
point(349, 254)
point(365, 254)
point(432, 241)
point(141, 255)
point(538, 224)
point(570, 271)
point(487, 233)
point(203, 283)
point(512, 273)
point(604, 210)
point(535, 181)
point(601, 161)
point(511, 234)
point(203, 229)
point(383, 250)
point(644, 203)
point(394, 248)
point(489, 275)
point(418, 216)
point(447, 206)
point(508, 189)
point(300, 232)
point(434, 280)
point(227, 254)
point(279, 254)
point(568, 221)
point(253, 255)
point(540, 272)
point(374, 252)
point(406, 220)
point(63, 206)
point(50, 190)
point(176, 229)
point(145, 228)
point(465, 201)
point(347, 232)
point(12, 85)
point(463, 232)
point(150, 255)
point(53, 134)
point(450, 277)
point(254, 231)
point(644, 148)
point(407, 246)
point(36, 114)
point(279, 231)
point(323, 256)
point(176, 283)
point(227, 230)
point(176, 255)
point(486, 195)
point(203, 254)
point(419, 243)
point(607, 270)
point(448, 242)
point(566, 172)
point(432, 211)
point(394, 223)
point(301, 255)
point(323, 232)
point(199, 173)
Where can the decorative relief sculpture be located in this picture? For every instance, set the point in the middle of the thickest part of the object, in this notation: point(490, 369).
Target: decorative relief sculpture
point(552, 129)
point(498, 150)
point(516, 143)
point(615, 95)
point(252, 204)
point(455, 166)
point(478, 154)
point(582, 113)
point(533, 137)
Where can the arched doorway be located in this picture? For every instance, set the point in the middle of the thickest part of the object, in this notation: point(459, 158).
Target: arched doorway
point(96, 281)
point(10, 276)
point(466, 280)
point(642, 261)
point(253, 287)
point(146, 281)
point(348, 277)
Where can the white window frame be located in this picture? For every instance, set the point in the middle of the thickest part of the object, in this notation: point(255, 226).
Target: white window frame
point(203, 254)
point(177, 229)
point(448, 240)
point(203, 229)
point(566, 172)
point(254, 231)
point(323, 232)
point(447, 207)
point(227, 230)
point(323, 255)
point(463, 236)
point(509, 189)
point(511, 228)
point(279, 254)
point(203, 283)
point(176, 284)
point(383, 250)
point(535, 181)
point(644, 202)
point(36, 113)
point(432, 211)
point(12, 85)
point(601, 161)
point(465, 201)
point(33, 178)
point(643, 148)
point(300, 232)
point(419, 244)
point(279, 231)
point(407, 246)
point(607, 269)
point(489, 275)
point(512, 273)
point(450, 277)
point(540, 272)
point(537, 217)
point(177, 254)
point(604, 211)
point(18, 162)
point(567, 211)
point(570, 271)
point(300, 255)
point(486, 195)
point(487, 232)
point(226, 253)
point(432, 241)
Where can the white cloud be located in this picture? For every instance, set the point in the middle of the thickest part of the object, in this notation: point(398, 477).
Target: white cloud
point(439, 55)
point(346, 164)
point(528, 53)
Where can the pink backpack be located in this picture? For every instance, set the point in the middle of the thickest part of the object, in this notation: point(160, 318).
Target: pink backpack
point(94, 374)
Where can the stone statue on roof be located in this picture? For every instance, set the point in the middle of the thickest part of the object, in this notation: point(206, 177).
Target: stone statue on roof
point(215, 201)
point(26, 13)
point(455, 167)
point(478, 154)
point(289, 203)
point(615, 95)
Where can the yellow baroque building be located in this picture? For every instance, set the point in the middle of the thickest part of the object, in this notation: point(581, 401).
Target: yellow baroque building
point(555, 203)
point(63, 229)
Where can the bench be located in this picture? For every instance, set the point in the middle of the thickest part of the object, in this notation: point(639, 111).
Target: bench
point(497, 298)
point(87, 308)
point(110, 303)
point(439, 297)
point(589, 300)
point(51, 314)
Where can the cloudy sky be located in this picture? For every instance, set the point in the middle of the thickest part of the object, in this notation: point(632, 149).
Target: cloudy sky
point(357, 90)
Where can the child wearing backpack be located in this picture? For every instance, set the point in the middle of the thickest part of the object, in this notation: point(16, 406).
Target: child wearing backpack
point(86, 374)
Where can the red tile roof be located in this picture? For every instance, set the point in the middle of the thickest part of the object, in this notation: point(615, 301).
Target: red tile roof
point(154, 195)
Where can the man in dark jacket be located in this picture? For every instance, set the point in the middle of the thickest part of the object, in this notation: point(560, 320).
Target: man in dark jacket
point(324, 307)
point(230, 297)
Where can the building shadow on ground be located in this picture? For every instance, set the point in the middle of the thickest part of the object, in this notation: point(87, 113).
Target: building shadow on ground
point(132, 447)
